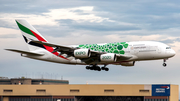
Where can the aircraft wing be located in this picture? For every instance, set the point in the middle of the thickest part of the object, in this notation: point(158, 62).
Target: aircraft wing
point(63, 48)
point(53, 45)
point(69, 51)
point(25, 52)
point(58, 48)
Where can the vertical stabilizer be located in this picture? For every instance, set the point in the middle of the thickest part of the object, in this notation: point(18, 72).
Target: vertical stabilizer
point(30, 33)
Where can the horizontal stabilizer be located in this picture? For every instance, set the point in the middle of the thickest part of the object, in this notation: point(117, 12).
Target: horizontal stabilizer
point(25, 52)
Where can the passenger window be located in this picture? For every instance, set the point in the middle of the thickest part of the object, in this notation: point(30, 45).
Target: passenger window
point(168, 47)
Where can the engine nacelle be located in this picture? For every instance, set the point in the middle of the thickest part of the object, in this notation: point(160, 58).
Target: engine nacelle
point(109, 57)
point(131, 63)
point(82, 53)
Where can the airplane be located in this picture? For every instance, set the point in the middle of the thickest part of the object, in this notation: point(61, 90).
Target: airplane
point(92, 55)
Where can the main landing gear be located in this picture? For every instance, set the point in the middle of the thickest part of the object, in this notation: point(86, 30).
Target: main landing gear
point(164, 64)
point(97, 68)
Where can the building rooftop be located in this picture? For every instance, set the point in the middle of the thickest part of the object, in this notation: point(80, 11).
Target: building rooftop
point(30, 81)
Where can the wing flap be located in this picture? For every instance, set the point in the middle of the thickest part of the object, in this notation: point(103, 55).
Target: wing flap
point(25, 52)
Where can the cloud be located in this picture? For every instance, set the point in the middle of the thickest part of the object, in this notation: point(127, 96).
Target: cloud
point(102, 26)
point(70, 19)
point(91, 19)
point(38, 6)
point(49, 18)
point(8, 32)
point(170, 41)
point(8, 36)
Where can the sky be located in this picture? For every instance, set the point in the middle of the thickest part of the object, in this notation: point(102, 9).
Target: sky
point(68, 22)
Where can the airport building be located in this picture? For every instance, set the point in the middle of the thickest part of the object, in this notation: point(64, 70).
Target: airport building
point(47, 91)
point(29, 81)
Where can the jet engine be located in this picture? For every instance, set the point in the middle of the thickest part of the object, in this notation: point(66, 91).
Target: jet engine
point(109, 57)
point(82, 53)
point(131, 63)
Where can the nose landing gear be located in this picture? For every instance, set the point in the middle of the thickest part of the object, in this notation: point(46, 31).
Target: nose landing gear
point(164, 64)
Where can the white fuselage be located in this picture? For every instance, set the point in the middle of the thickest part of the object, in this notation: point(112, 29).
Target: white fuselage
point(140, 50)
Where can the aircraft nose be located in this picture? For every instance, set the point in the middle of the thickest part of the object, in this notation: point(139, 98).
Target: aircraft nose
point(172, 52)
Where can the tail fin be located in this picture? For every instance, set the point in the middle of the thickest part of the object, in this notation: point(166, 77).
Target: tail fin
point(30, 33)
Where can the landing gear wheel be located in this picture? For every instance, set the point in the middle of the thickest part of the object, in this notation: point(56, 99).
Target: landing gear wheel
point(97, 68)
point(164, 64)
point(106, 69)
point(87, 67)
point(103, 68)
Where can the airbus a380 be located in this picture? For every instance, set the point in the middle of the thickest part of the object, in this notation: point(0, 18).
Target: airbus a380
point(92, 55)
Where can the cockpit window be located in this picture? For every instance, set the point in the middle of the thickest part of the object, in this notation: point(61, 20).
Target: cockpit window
point(168, 47)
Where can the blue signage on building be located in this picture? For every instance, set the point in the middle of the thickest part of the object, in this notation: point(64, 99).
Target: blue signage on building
point(161, 90)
